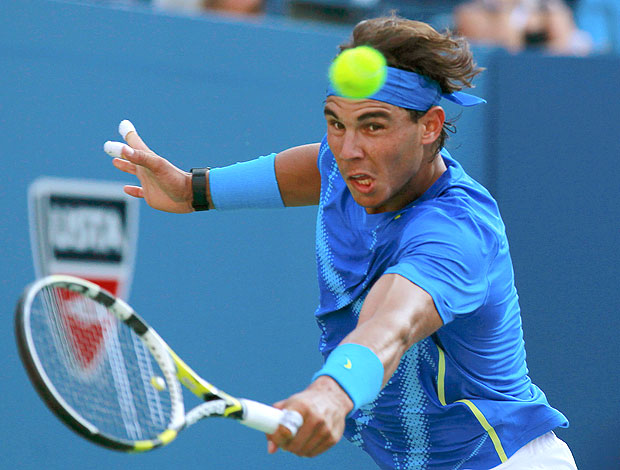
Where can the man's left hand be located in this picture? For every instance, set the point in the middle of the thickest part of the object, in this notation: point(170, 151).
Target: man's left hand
point(324, 406)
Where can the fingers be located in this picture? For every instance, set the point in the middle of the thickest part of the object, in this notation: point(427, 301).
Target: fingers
point(271, 447)
point(121, 150)
point(125, 166)
point(314, 447)
point(128, 132)
point(281, 437)
point(125, 127)
point(164, 186)
point(278, 439)
point(135, 191)
point(117, 149)
point(133, 157)
point(137, 151)
point(309, 442)
point(323, 412)
point(312, 438)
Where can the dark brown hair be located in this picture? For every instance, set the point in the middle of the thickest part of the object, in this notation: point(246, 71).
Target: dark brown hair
point(418, 47)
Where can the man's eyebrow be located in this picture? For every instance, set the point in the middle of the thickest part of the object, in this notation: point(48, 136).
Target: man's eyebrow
point(374, 115)
point(363, 117)
point(329, 112)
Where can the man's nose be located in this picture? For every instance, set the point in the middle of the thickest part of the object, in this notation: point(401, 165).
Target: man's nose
point(351, 148)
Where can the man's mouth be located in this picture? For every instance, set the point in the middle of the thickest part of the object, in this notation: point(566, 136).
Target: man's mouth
point(361, 182)
point(364, 180)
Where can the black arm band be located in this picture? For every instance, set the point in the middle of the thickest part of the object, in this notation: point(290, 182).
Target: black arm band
point(199, 189)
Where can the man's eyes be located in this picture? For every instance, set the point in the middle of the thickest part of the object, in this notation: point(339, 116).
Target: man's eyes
point(373, 126)
point(336, 124)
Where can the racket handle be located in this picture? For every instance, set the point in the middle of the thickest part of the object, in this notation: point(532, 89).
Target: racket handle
point(266, 418)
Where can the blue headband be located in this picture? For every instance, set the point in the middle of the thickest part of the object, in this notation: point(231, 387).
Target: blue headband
point(410, 90)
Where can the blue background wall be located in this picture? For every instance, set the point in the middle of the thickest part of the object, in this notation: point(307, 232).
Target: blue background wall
point(240, 288)
point(557, 183)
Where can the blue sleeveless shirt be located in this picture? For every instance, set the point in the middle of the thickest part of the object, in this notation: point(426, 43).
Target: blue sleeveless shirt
point(460, 399)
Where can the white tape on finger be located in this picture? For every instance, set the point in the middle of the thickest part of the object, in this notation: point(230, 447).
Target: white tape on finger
point(291, 420)
point(125, 127)
point(265, 418)
point(114, 149)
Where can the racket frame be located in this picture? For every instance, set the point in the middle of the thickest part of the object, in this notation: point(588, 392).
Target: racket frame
point(174, 370)
point(50, 395)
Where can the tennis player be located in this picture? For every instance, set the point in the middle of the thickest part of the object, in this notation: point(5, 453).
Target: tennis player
point(419, 316)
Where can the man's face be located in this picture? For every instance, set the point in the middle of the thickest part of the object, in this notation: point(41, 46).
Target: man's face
point(379, 152)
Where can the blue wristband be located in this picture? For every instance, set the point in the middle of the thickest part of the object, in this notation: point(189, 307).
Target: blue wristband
point(357, 370)
point(246, 185)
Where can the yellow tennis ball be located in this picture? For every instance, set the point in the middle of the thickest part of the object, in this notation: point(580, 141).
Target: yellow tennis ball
point(158, 383)
point(359, 72)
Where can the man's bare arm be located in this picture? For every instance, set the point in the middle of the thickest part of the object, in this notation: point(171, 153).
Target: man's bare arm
point(298, 175)
point(396, 314)
point(166, 187)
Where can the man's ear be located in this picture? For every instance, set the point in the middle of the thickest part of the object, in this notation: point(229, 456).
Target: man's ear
point(432, 121)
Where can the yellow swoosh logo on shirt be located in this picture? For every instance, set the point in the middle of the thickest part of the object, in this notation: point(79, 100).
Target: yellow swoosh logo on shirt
point(348, 364)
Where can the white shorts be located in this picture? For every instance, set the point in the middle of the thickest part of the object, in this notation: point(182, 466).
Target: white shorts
point(546, 452)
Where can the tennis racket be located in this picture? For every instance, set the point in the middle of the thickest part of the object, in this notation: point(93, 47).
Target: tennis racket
point(110, 377)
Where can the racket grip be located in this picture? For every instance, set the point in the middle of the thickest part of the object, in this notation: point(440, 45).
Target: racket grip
point(266, 418)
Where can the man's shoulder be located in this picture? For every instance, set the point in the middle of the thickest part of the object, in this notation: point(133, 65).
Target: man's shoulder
point(460, 199)
point(452, 222)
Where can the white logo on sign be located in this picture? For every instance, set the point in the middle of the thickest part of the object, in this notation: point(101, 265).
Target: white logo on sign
point(85, 229)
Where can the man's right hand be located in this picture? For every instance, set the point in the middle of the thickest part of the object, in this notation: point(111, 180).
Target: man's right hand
point(163, 186)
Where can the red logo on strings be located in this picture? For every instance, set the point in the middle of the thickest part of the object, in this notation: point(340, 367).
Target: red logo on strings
point(85, 329)
point(86, 339)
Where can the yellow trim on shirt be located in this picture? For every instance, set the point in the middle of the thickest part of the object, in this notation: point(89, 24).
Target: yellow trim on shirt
point(441, 374)
point(441, 394)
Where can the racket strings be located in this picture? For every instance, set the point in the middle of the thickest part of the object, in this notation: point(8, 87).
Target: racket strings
point(147, 373)
point(98, 365)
